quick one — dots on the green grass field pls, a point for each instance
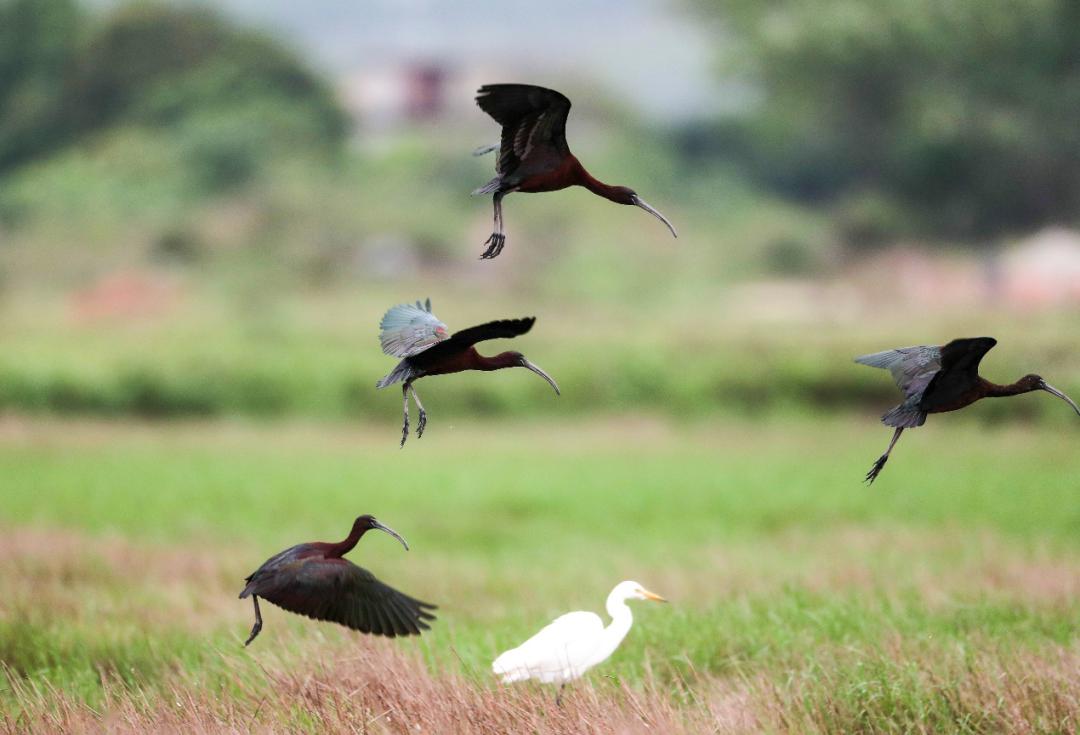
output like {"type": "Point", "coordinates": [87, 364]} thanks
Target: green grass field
{"type": "Point", "coordinates": [944, 598]}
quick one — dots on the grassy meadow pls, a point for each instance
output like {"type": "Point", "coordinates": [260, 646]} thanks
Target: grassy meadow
{"type": "Point", "coordinates": [944, 598]}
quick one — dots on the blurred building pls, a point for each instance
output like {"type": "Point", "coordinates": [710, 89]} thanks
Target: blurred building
{"type": "Point", "coordinates": [1042, 271]}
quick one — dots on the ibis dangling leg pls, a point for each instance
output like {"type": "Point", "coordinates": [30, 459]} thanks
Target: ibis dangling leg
{"type": "Point", "coordinates": [255, 629]}
{"type": "Point", "coordinates": [558, 695]}
{"type": "Point", "coordinates": [880, 463]}
{"type": "Point", "coordinates": [419, 407]}
{"type": "Point", "coordinates": [498, 239]}
{"type": "Point", "coordinates": [405, 410]}
{"type": "Point", "coordinates": [407, 388]}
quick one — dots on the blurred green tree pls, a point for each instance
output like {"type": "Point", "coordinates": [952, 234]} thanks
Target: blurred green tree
{"type": "Point", "coordinates": [229, 96]}
{"type": "Point", "coordinates": [958, 118]}
{"type": "Point", "coordinates": [37, 51]}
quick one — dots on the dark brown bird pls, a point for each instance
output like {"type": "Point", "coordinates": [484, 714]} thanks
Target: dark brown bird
{"type": "Point", "coordinates": [314, 580]}
{"type": "Point", "coordinates": [533, 154]}
{"type": "Point", "coordinates": [940, 379]}
{"type": "Point", "coordinates": [417, 336]}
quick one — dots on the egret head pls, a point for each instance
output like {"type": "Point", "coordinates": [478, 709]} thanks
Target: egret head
{"type": "Point", "coordinates": [1035, 382]}
{"type": "Point", "coordinates": [518, 360]}
{"type": "Point", "coordinates": [633, 591]}
{"type": "Point", "coordinates": [367, 522]}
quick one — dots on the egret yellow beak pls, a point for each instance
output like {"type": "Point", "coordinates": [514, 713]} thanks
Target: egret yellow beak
{"type": "Point", "coordinates": [652, 596]}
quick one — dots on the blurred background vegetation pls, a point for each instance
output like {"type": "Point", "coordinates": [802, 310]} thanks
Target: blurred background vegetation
{"type": "Point", "coordinates": [196, 219]}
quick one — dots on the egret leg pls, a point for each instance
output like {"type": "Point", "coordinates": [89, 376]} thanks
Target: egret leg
{"type": "Point", "coordinates": [258, 621]}
{"type": "Point", "coordinates": [498, 239]}
{"type": "Point", "coordinates": [405, 423]}
{"type": "Point", "coordinates": [423, 414]}
{"type": "Point", "coordinates": [880, 463]}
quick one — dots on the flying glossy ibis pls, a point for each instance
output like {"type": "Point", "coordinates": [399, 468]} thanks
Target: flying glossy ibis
{"type": "Point", "coordinates": [940, 379]}
{"type": "Point", "coordinates": [315, 580]}
{"type": "Point", "coordinates": [573, 643]}
{"type": "Point", "coordinates": [425, 347]}
{"type": "Point", "coordinates": [533, 154]}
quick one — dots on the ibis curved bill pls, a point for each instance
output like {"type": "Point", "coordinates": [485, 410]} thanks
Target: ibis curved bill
{"type": "Point", "coordinates": [573, 643]}
{"type": "Point", "coordinates": [654, 212]}
{"type": "Point", "coordinates": [536, 369]}
{"type": "Point", "coordinates": [1055, 392]}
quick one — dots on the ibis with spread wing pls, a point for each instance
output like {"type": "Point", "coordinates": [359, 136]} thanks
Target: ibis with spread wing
{"type": "Point", "coordinates": [937, 379]}
{"type": "Point", "coordinates": [315, 580]}
{"type": "Point", "coordinates": [426, 347]}
{"type": "Point", "coordinates": [533, 155]}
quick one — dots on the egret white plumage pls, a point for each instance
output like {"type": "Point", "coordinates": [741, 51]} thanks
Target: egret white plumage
{"type": "Point", "coordinates": [573, 643]}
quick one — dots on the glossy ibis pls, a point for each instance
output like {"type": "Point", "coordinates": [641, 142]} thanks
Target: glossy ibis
{"type": "Point", "coordinates": [939, 379]}
{"type": "Point", "coordinates": [314, 580]}
{"type": "Point", "coordinates": [533, 154]}
{"type": "Point", "coordinates": [573, 643]}
{"type": "Point", "coordinates": [416, 335]}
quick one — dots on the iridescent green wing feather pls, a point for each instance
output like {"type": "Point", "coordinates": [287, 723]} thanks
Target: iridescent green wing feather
{"type": "Point", "coordinates": [408, 329]}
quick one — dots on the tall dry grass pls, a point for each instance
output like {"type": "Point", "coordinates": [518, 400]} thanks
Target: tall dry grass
{"type": "Point", "coordinates": [380, 689]}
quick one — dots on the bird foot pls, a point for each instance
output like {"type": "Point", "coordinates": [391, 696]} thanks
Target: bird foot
{"type": "Point", "coordinates": [495, 245]}
{"type": "Point", "coordinates": [421, 424]}
{"type": "Point", "coordinates": [255, 630]}
{"type": "Point", "coordinates": [876, 469]}
{"type": "Point", "coordinates": [404, 432]}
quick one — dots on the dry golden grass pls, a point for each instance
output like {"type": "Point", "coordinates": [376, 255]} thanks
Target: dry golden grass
{"type": "Point", "coordinates": [71, 576]}
{"type": "Point", "coordinates": [379, 689]}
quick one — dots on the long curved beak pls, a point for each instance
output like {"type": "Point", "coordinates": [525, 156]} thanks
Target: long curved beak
{"type": "Point", "coordinates": [1054, 391]}
{"type": "Point", "coordinates": [392, 532]}
{"type": "Point", "coordinates": [655, 213]}
{"type": "Point", "coordinates": [526, 364]}
{"type": "Point", "coordinates": [652, 596]}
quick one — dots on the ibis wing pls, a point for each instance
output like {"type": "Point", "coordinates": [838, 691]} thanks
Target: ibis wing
{"type": "Point", "coordinates": [501, 329]}
{"type": "Point", "coordinates": [912, 367]}
{"type": "Point", "coordinates": [563, 648]}
{"type": "Point", "coordinates": [964, 355]}
{"type": "Point", "coordinates": [339, 591]}
{"type": "Point", "coordinates": [532, 119]}
{"type": "Point", "coordinates": [408, 329]}
{"type": "Point", "coordinates": [959, 372]}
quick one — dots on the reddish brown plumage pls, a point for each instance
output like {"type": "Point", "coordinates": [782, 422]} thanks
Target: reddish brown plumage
{"type": "Point", "coordinates": [471, 359]}
{"type": "Point", "coordinates": [981, 388]}
{"type": "Point", "coordinates": [554, 175]}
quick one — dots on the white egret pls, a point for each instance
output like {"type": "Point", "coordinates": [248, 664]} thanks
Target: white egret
{"type": "Point", "coordinates": [573, 643]}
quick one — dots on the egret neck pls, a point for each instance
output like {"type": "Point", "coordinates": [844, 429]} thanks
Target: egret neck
{"type": "Point", "coordinates": [621, 620]}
